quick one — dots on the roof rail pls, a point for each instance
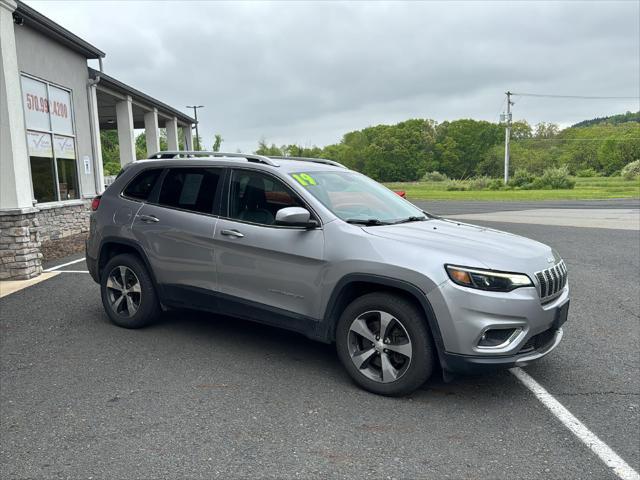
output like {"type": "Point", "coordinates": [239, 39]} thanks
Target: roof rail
{"type": "Point", "coordinates": [250, 157]}
{"type": "Point", "coordinates": [311, 159]}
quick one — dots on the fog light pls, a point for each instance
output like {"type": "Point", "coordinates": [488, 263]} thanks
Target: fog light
{"type": "Point", "coordinates": [498, 337]}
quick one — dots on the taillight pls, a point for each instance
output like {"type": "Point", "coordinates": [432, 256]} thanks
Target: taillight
{"type": "Point", "coordinates": [95, 203]}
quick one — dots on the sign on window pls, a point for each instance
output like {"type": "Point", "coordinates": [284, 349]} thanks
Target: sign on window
{"type": "Point", "coordinates": [39, 144]}
{"type": "Point", "coordinates": [60, 110]}
{"type": "Point", "coordinates": [50, 112]}
{"type": "Point", "coordinates": [36, 104]}
{"type": "Point", "coordinates": [64, 147]}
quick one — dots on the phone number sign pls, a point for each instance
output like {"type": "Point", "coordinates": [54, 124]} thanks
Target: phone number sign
{"type": "Point", "coordinates": [46, 109]}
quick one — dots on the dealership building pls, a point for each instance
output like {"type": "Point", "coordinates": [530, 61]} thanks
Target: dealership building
{"type": "Point", "coordinates": [52, 109]}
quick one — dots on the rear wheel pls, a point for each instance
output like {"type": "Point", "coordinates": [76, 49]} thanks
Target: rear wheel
{"type": "Point", "coordinates": [127, 292]}
{"type": "Point", "coordinates": [383, 342]}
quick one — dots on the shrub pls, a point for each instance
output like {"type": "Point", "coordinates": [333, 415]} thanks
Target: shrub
{"type": "Point", "coordinates": [586, 173]}
{"type": "Point", "coordinates": [111, 168]}
{"type": "Point", "coordinates": [495, 184]}
{"type": "Point", "coordinates": [522, 179]}
{"type": "Point", "coordinates": [554, 178]}
{"type": "Point", "coordinates": [434, 177]}
{"type": "Point", "coordinates": [631, 171]}
{"type": "Point", "coordinates": [479, 183]}
{"type": "Point", "coordinates": [457, 185]}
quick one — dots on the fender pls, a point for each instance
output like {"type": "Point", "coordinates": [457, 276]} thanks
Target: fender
{"type": "Point", "coordinates": [326, 328]}
{"type": "Point", "coordinates": [129, 243]}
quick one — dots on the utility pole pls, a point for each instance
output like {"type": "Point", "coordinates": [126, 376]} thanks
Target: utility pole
{"type": "Point", "coordinates": [507, 138]}
{"type": "Point", "coordinates": [195, 115]}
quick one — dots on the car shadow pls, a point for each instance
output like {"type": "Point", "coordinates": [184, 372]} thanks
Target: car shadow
{"type": "Point", "coordinates": [250, 341]}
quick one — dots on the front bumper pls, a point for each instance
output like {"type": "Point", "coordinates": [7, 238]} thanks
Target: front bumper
{"type": "Point", "coordinates": [464, 315]}
{"type": "Point", "coordinates": [470, 364]}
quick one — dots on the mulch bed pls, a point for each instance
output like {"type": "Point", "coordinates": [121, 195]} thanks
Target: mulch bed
{"type": "Point", "coordinates": [62, 247]}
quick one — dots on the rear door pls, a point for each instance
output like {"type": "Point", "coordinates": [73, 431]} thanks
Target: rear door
{"type": "Point", "coordinates": [176, 229]}
{"type": "Point", "coordinates": [262, 264]}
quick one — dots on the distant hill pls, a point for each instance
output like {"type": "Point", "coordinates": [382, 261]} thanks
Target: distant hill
{"type": "Point", "coordinates": [613, 119]}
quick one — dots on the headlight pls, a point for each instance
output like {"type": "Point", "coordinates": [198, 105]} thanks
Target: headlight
{"type": "Point", "coordinates": [487, 279]}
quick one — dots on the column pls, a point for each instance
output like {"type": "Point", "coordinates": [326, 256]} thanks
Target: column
{"type": "Point", "coordinates": [20, 256]}
{"type": "Point", "coordinates": [15, 177]}
{"type": "Point", "coordinates": [171, 127]}
{"type": "Point", "coordinates": [126, 140]}
{"type": "Point", "coordinates": [188, 138]}
{"type": "Point", "coordinates": [152, 132]}
{"type": "Point", "coordinates": [97, 143]}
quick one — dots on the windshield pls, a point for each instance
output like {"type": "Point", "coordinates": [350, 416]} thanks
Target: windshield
{"type": "Point", "coordinates": [356, 198]}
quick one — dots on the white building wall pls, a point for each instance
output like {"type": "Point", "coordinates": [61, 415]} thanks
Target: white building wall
{"type": "Point", "coordinates": [39, 56]}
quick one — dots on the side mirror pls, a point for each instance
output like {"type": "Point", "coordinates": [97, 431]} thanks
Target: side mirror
{"type": "Point", "coordinates": [295, 217]}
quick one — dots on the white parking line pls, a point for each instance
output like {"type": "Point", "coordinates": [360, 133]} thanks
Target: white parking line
{"type": "Point", "coordinates": [586, 436]}
{"type": "Point", "coordinates": [73, 271]}
{"type": "Point", "coordinates": [64, 265]}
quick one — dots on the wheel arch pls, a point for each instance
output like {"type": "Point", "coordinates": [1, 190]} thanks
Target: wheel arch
{"type": "Point", "coordinates": [112, 246]}
{"type": "Point", "coordinates": [354, 285]}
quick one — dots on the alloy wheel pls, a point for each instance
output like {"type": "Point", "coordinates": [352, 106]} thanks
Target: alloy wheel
{"type": "Point", "coordinates": [124, 292]}
{"type": "Point", "coordinates": [379, 346]}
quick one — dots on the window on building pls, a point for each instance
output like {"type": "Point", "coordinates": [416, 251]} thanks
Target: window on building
{"type": "Point", "coordinates": [51, 140]}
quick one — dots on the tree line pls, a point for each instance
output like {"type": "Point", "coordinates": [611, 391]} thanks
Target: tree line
{"type": "Point", "coordinates": [468, 148]}
{"type": "Point", "coordinates": [460, 149]}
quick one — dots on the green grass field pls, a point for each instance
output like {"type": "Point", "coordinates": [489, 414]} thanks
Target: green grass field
{"type": "Point", "coordinates": [586, 189]}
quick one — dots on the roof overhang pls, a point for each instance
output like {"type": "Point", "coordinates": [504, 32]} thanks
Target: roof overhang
{"type": "Point", "coordinates": [26, 15]}
{"type": "Point", "coordinates": [110, 91]}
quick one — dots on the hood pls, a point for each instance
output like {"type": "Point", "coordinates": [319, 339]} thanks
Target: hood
{"type": "Point", "coordinates": [456, 241]}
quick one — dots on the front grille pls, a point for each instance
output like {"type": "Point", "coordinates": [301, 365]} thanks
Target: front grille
{"type": "Point", "coordinates": [552, 280]}
{"type": "Point", "coordinates": [539, 341]}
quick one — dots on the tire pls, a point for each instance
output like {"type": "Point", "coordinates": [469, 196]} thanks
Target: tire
{"type": "Point", "coordinates": [392, 368]}
{"type": "Point", "coordinates": [141, 307]}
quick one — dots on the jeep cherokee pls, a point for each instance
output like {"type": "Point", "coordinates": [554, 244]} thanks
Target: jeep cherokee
{"type": "Point", "coordinates": [311, 246]}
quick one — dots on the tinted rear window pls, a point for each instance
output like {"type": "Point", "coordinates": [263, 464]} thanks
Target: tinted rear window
{"type": "Point", "coordinates": [191, 189]}
{"type": "Point", "coordinates": [141, 186]}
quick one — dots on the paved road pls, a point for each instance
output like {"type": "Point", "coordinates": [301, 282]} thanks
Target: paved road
{"type": "Point", "coordinates": [609, 218]}
{"type": "Point", "coordinates": [197, 396]}
{"type": "Point", "coordinates": [441, 207]}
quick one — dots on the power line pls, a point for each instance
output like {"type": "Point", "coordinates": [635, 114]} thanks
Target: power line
{"type": "Point", "coordinates": [582, 97]}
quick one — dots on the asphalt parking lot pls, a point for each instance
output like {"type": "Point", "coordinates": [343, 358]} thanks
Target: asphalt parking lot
{"type": "Point", "coordinates": [199, 396]}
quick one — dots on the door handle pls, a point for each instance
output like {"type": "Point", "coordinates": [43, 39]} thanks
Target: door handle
{"type": "Point", "coordinates": [149, 219]}
{"type": "Point", "coordinates": [232, 233]}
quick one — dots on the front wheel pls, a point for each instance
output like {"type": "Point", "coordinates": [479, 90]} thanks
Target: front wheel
{"type": "Point", "coordinates": [384, 343]}
{"type": "Point", "coordinates": [127, 292]}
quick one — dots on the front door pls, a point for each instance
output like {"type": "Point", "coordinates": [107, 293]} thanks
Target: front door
{"type": "Point", "coordinates": [259, 263]}
{"type": "Point", "coordinates": [176, 230]}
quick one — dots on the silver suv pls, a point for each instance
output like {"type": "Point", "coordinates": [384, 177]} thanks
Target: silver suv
{"type": "Point", "coordinates": [311, 246]}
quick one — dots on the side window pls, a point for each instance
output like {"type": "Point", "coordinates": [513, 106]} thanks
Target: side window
{"type": "Point", "coordinates": [191, 189]}
{"type": "Point", "coordinates": [141, 186]}
{"type": "Point", "coordinates": [256, 197]}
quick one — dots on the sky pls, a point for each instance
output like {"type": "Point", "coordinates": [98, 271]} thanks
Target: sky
{"type": "Point", "coordinates": [309, 72]}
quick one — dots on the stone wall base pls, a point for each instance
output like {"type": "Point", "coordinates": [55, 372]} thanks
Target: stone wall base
{"type": "Point", "coordinates": [20, 256]}
{"type": "Point", "coordinates": [63, 247]}
{"type": "Point", "coordinates": [59, 220]}
{"type": "Point", "coordinates": [23, 233]}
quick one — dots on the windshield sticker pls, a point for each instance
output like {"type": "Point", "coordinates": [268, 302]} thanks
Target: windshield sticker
{"type": "Point", "coordinates": [304, 179]}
